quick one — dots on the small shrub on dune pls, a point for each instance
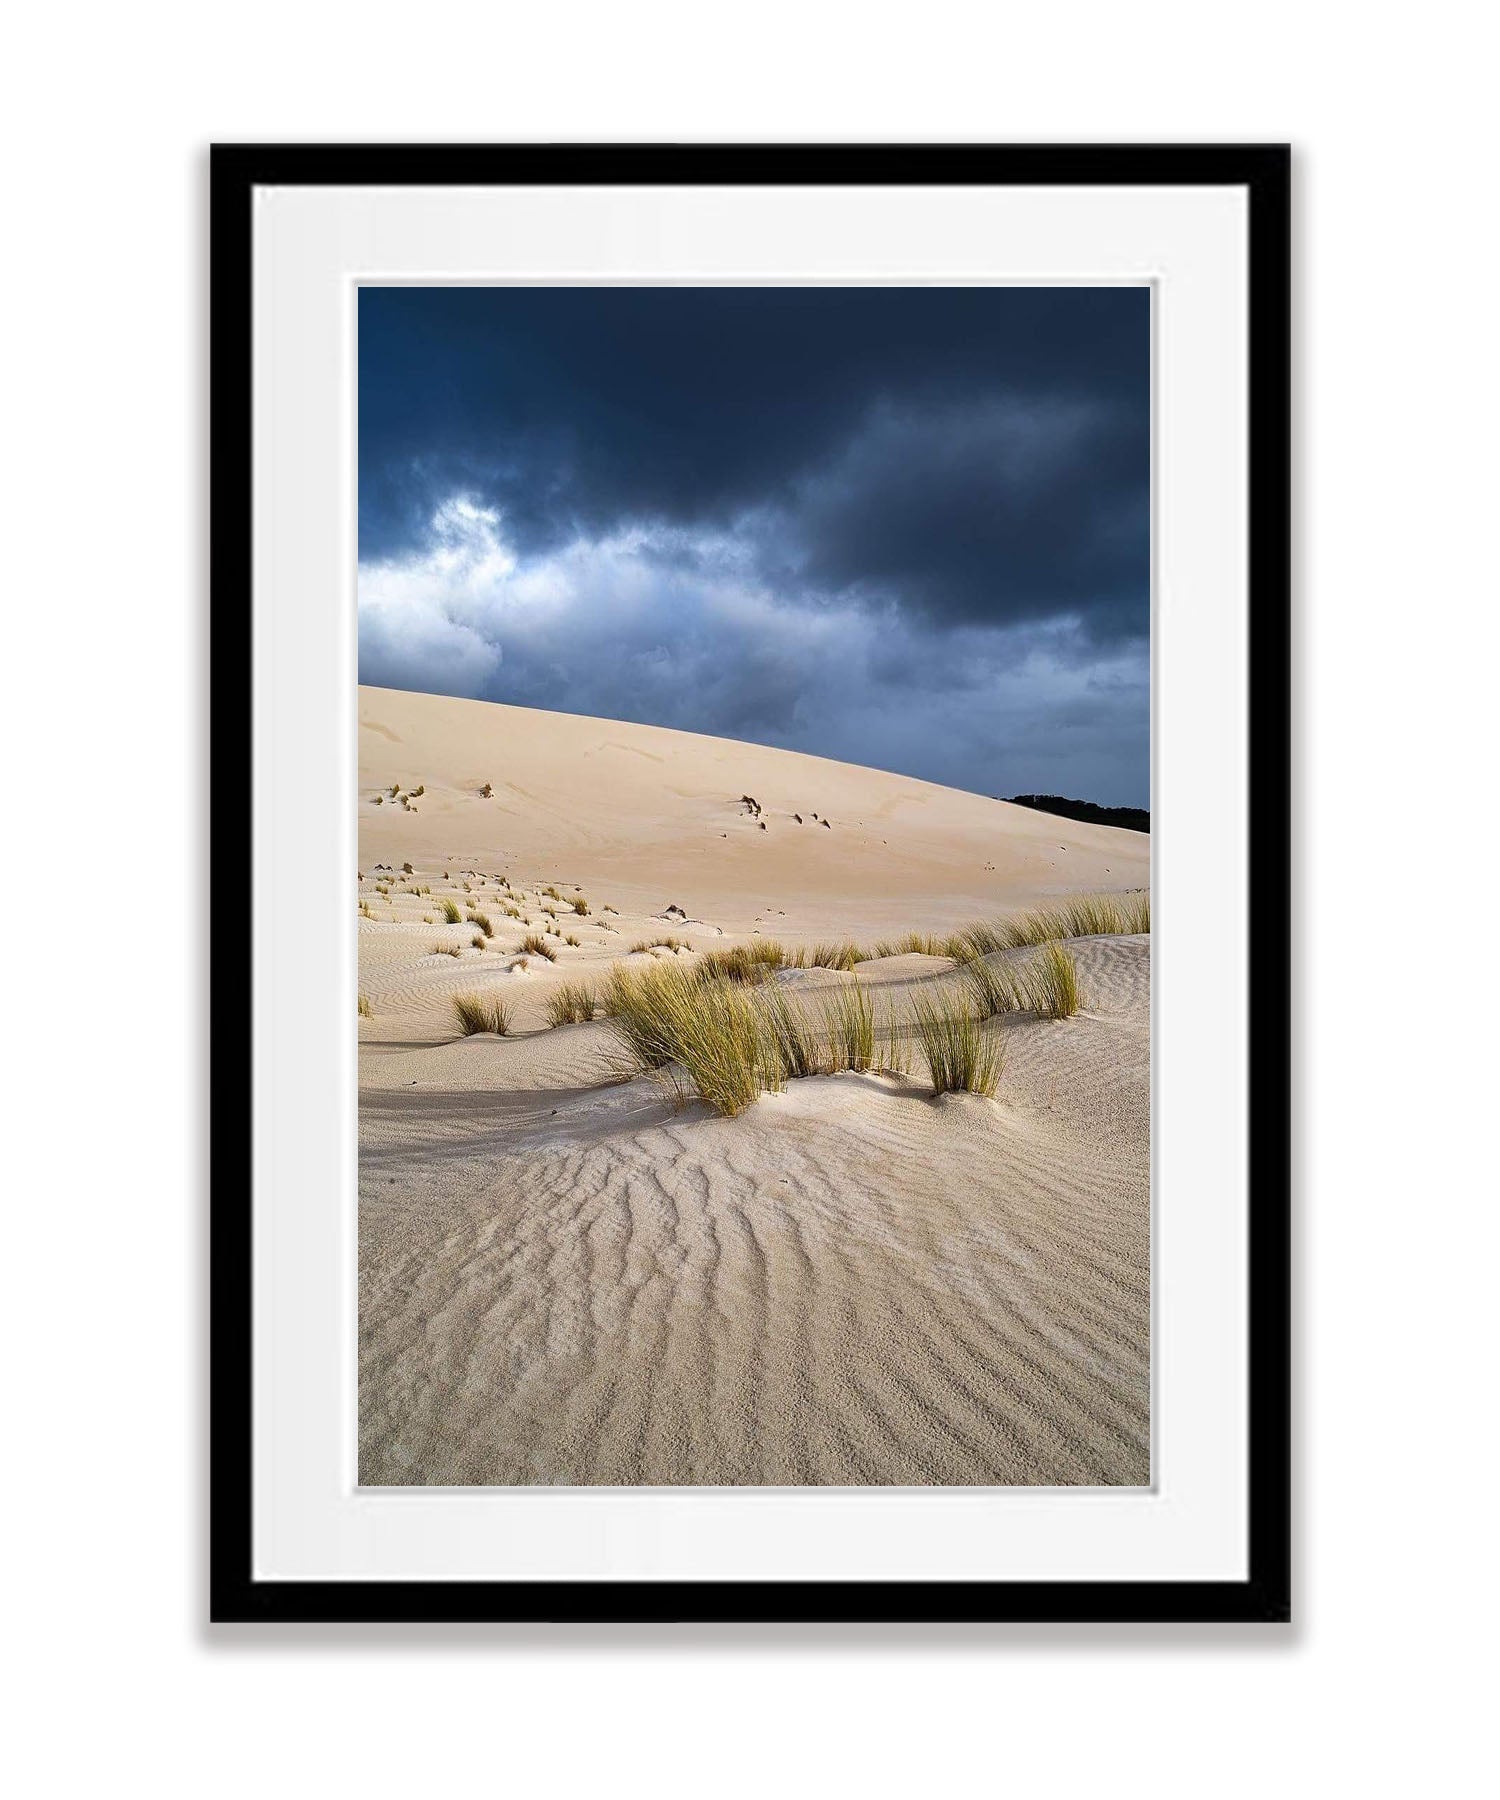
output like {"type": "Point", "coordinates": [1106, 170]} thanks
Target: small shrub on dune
{"type": "Point", "coordinates": [574, 1003]}
{"type": "Point", "coordinates": [570, 939]}
{"type": "Point", "coordinates": [645, 945]}
{"type": "Point", "coordinates": [533, 945]}
{"type": "Point", "coordinates": [447, 950]}
{"type": "Point", "coordinates": [364, 910]}
{"type": "Point", "coordinates": [961, 1057]}
{"type": "Point", "coordinates": [478, 1013]}
{"type": "Point", "coordinates": [452, 914]}
{"type": "Point", "coordinates": [366, 1011]}
{"type": "Point", "coordinates": [479, 940]}
{"type": "Point", "coordinates": [482, 920]}
{"type": "Point", "coordinates": [407, 869]}
{"type": "Point", "coordinates": [580, 906]}
{"type": "Point", "coordinates": [379, 800]}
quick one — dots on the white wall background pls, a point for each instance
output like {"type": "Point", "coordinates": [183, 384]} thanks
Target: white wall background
{"type": "Point", "coordinates": [1379, 1687]}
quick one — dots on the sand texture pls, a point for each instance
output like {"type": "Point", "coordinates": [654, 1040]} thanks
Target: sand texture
{"type": "Point", "coordinates": [568, 1278]}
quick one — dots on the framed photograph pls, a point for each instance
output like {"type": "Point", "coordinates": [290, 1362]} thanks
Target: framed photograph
{"type": "Point", "coordinates": [753, 685]}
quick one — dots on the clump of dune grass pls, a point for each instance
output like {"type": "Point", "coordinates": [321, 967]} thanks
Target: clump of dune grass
{"type": "Point", "coordinates": [790, 1037]}
{"type": "Point", "coordinates": [486, 791]}
{"type": "Point", "coordinates": [482, 920]}
{"type": "Point", "coordinates": [580, 906]}
{"type": "Point", "coordinates": [613, 909]}
{"type": "Point", "coordinates": [395, 788]}
{"type": "Point", "coordinates": [366, 1011]}
{"type": "Point", "coordinates": [574, 1003]}
{"type": "Point", "coordinates": [446, 949]}
{"type": "Point", "coordinates": [407, 869]}
{"type": "Point", "coordinates": [993, 988]}
{"type": "Point", "coordinates": [570, 939]}
{"type": "Point", "coordinates": [1081, 915]}
{"type": "Point", "coordinates": [538, 946]}
{"type": "Point", "coordinates": [364, 910]}
{"type": "Point", "coordinates": [1051, 983]}
{"type": "Point", "coordinates": [511, 912]}
{"type": "Point", "coordinates": [848, 1018]}
{"type": "Point", "coordinates": [747, 964]}
{"type": "Point", "coordinates": [914, 943]}
{"type": "Point", "coordinates": [843, 1036]}
{"type": "Point", "coordinates": [837, 956]}
{"type": "Point", "coordinates": [380, 800]}
{"type": "Point", "coordinates": [479, 941]}
{"type": "Point", "coordinates": [711, 1036]}
{"type": "Point", "coordinates": [961, 1056]}
{"type": "Point", "coordinates": [417, 792]}
{"type": "Point", "coordinates": [477, 1013]}
{"type": "Point", "coordinates": [452, 914]}
{"type": "Point", "coordinates": [659, 943]}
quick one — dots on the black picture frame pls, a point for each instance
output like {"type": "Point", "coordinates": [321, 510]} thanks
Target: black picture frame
{"type": "Point", "coordinates": [1263, 172]}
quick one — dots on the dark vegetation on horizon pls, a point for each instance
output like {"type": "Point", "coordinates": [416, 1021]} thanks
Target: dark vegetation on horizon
{"type": "Point", "coordinates": [1130, 818]}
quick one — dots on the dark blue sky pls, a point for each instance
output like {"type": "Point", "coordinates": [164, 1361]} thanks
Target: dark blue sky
{"type": "Point", "coordinates": [904, 527]}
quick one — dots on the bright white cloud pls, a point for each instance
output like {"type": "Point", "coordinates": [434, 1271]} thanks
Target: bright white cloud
{"type": "Point", "coordinates": [674, 627]}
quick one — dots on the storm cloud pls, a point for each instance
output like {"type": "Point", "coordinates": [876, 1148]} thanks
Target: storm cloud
{"type": "Point", "coordinates": [904, 527]}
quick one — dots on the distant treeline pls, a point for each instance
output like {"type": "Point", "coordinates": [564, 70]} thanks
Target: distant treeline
{"type": "Point", "coordinates": [1132, 818]}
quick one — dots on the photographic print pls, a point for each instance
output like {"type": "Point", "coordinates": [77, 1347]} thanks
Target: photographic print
{"type": "Point", "coordinates": [754, 886]}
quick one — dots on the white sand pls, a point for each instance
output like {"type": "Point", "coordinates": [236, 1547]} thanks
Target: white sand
{"type": "Point", "coordinates": [565, 1280]}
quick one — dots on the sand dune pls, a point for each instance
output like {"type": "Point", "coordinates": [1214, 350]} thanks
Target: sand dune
{"type": "Point", "coordinates": [567, 1279]}
{"type": "Point", "coordinates": [658, 816]}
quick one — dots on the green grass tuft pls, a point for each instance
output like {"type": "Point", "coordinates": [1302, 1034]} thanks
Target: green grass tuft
{"type": "Point", "coordinates": [574, 1003]}
{"type": "Point", "coordinates": [537, 946]}
{"type": "Point", "coordinates": [849, 1021]}
{"type": "Point", "coordinates": [961, 1056]}
{"type": "Point", "coordinates": [478, 1013]}
{"type": "Point", "coordinates": [747, 964]}
{"type": "Point", "coordinates": [452, 914]}
{"type": "Point", "coordinates": [1051, 983]}
{"type": "Point", "coordinates": [366, 1011]}
{"type": "Point", "coordinates": [836, 956]}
